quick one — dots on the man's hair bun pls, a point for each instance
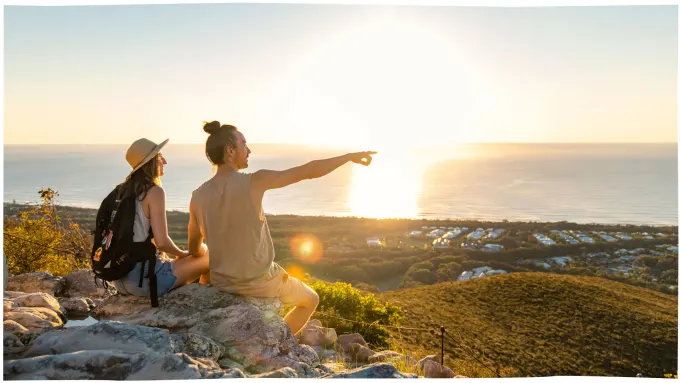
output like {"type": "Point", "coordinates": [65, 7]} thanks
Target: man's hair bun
{"type": "Point", "coordinates": [211, 127]}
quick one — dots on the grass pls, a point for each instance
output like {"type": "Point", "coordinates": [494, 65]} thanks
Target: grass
{"type": "Point", "coordinates": [537, 324]}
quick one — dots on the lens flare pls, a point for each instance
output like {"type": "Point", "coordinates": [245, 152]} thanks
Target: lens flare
{"type": "Point", "coordinates": [306, 248]}
{"type": "Point", "coordinates": [296, 272]}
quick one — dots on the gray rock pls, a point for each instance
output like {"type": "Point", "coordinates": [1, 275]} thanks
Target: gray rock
{"type": "Point", "coordinates": [13, 327]}
{"type": "Point", "coordinates": [11, 345]}
{"type": "Point", "coordinates": [250, 333]}
{"type": "Point", "coordinates": [229, 364]}
{"type": "Point", "coordinates": [432, 369]}
{"type": "Point", "coordinates": [80, 283]}
{"type": "Point", "coordinates": [434, 358]}
{"type": "Point", "coordinates": [33, 321]}
{"type": "Point", "coordinates": [124, 337]}
{"type": "Point", "coordinates": [345, 340]}
{"type": "Point", "coordinates": [40, 282]}
{"type": "Point", "coordinates": [359, 353]}
{"type": "Point", "coordinates": [380, 371]}
{"type": "Point", "coordinates": [37, 300]}
{"type": "Point", "coordinates": [7, 304]}
{"type": "Point", "coordinates": [285, 372]}
{"type": "Point", "coordinates": [75, 306]}
{"type": "Point", "coordinates": [56, 317]}
{"type": "Point", "coordinates": [11, 340]}
{"type": "Point", "coordinates": [326, 354]}
{"type": "Point", "coordinates": [111, 365]}
{"type": "Point", "coordinates": [317, 336]}
{"type": "Point", "coordinates": [305, 354]}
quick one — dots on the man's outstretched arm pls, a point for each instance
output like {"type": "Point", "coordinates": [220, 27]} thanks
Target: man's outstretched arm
{"type": "Point", "coordinates": [263, 180]}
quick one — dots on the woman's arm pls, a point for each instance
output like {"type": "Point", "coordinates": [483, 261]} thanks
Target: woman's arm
{"type": "Point", "coordinates": [159, 222]}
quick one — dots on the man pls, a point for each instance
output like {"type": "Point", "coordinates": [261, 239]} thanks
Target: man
{"type": "Point", "coordinates": [226, 211]}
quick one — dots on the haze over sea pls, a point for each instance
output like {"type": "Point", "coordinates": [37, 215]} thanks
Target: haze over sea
{"type": "Point", "coordinates": [584, 183]}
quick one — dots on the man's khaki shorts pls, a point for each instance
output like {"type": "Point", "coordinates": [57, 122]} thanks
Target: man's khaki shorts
{"type": "Point", "coordinates": [294, 292]}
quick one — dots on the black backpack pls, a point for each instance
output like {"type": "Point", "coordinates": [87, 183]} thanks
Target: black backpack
{"type": "Point", "coordinates": [114, 253]}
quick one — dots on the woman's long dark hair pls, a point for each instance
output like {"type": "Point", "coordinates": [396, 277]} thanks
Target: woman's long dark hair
{"type": "Point", "coordinates": [144, 178]}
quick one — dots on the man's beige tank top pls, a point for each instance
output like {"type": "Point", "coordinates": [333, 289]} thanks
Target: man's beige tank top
{"type": "Point", "coordinates": [237, 235]}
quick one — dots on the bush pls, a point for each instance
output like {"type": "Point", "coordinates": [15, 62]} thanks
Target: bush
{"type": "Point", "coordinates": [340, 299]}
{"type": "Point", "coordinates": [38, 240]}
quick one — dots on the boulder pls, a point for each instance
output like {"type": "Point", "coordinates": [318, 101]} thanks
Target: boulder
{"type": "Point", "coordinates": [7, 304]}
{"type": "Point", "coordinates": [285, 372]}
{"type": "Point", "coordinates": [12, 345]}
{"type": "Point", "coordinates": [325, 354]}
{"type": "Point", "coordinates": [13, 327]}
{"type": "Point", "coordinates": [37, 300]}
{"type": "Point", "coordinates": [34, 322]}
{"type": "Point", "coordinates": [124, 337]}
{"type": "Point", "coordinates": [315, 335]}
{"type": "Point", "coordinates": [345, 340]}
{"type": "Point", "coordinates": [359, 353]}
{"type": "Point", "coordinates": [250, 329]}
{"type": "Point", "coordinates": [75, 306]}
{"type": "Point", "coordinates": [80, 283]}
{"type": "Point", "coordinates": [379, 371]}
{"type": "Point", "coordinates": [432, 369]}
{"type": "Point", "coordinates": [434, 358]}
{"type": "Point", "coordinates": [113, 365]}
{"type": "Point", "coordinates": [40, 282]}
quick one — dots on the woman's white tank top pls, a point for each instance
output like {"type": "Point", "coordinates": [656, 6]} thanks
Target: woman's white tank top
{"type": "Point", "coordinates": [142, 224]}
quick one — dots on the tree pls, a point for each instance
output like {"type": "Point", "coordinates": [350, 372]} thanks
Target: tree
{"type": "Point", "coordinates": [448, 272]}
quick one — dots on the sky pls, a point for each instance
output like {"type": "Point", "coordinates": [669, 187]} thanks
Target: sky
{"type": "Point", "coordinates": [375, 76]}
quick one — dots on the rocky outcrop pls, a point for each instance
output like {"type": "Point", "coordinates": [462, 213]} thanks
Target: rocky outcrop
{"type": "Point", "coordinates": [114, 365]}
{"type": "Point", "coordinates": [196, 332]}
{"type": "Point", "coordinates": [123, 337]}
{"type": "Point", "coordinates": [252, 333]}
{"type": "Point", "coordinates": [40, 282]}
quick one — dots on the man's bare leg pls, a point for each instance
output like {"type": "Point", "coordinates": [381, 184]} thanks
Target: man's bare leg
{"type": "Point", "coordinates": [299, 315]}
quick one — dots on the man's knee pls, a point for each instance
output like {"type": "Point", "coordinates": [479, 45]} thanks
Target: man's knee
{"type": "Point", "coordinates": [314, 300]}
{"type": "Point", "coordinates": [311, 299]}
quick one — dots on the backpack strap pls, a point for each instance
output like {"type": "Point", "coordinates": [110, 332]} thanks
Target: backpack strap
{"type": "Point", "coordinates": [153, 281]}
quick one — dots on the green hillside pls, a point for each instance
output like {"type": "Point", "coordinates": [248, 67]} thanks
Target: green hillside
{"type": "Point", "coordinates": [539, 324]}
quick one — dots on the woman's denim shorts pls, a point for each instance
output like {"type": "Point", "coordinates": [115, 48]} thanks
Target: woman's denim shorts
{"type": "Point", "coordinates": [129, 285]}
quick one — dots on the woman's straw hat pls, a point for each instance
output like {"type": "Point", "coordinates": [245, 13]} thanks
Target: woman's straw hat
{"type": "Point", "coordinates": [142, 151]}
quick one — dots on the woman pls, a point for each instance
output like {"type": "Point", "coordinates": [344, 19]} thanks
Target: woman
{"type": "Point", "coordinates": [147, 169]}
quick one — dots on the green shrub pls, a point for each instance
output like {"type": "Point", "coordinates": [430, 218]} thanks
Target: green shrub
{"type": "Point", "coordinates": [38, 239]}
{"type": "Point", "coordinates": [342, 300]}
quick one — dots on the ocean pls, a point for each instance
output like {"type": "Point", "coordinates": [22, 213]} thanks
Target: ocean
{"type": "Point", "coordinates": [583, 183]}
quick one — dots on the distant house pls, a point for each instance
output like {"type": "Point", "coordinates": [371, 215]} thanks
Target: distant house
{"type": "Point", "coordinates": [435, 233]}
{"type": "Point", "coordinates": [374, 242]}
{"type": "Point", "coordinates": [492, 247]}
{"type": "Point", "coordinates": [606, 237]}
{"type": "Point", "coordinates": [441, 243]}
{"type": "Point", "coordinates": [477, 234]}
{"type": "Point", "coordinates": [496, 233]}
{"type": "Point", "coordinates": [543, 239]}
{"type": "Point", "coordinates": [415, 233]}
{"type": "Point", "coordinates": [624, 236]}
{"type": "Point", "coordinates": [480, 272]}
{"type": "Point", "coordinates": [561, 261]}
